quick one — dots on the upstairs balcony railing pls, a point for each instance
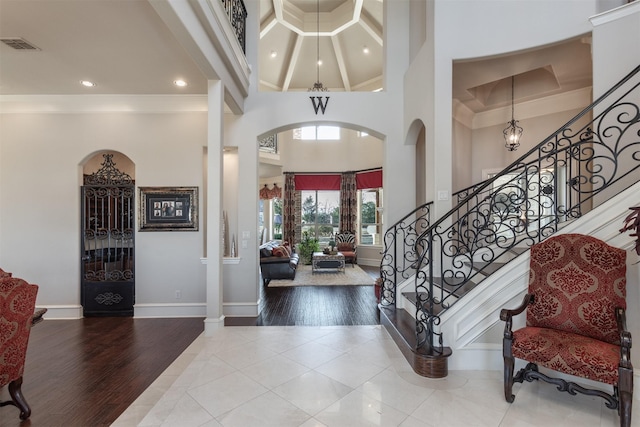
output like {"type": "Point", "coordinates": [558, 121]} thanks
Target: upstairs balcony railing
{"type": "Point", "coordinates": [584, 163]}
{"type": "Point", "coordinates": [237, 14]}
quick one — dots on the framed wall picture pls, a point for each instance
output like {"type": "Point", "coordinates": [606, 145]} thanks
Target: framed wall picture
{"type": "Point", "coordinates": [168, 209]}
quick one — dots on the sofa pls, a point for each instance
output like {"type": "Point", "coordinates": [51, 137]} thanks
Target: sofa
{"type": "Point", "coordinates": [277, 261]}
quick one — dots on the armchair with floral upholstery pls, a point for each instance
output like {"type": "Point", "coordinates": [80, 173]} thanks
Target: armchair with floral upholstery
{"type": "Point", "coordinates": [17, 306]}
{"type": "Point", "coordinates": [346, 243]}
{"type": "Point", "coordinates": [575, 321]}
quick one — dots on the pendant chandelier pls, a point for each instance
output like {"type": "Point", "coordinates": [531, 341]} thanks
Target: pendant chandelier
{"type": "Point", "coordinates": [512, 132]}
{"type": "Point", "coordinates": [317, 86]}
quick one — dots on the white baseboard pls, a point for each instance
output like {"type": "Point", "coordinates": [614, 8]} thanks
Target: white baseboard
{"type": "Point", "coordinates": [240, 309]}
{"type": "Point", "coordinates": [65, 312]}
{"type": "Point", "coordinates": [169, 310]}
{"type": "Point", "coordinates": [371, 262]}
{"type": "Point", "coordinates": [62, 312]}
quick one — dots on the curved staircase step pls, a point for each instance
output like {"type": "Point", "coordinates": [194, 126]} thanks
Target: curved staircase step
{"type": "Point", "coordinates": [402, 328]}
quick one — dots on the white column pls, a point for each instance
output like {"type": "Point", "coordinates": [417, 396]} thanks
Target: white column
{"type": "Point", "coordinates": [215, 145]}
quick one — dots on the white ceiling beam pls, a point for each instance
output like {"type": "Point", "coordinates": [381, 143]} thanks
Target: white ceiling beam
{"type": "Point", "coordinates": [341, 64]}
{"type": "Point", "coordinates": [278, 7]}
{"type": "Point", "coordinates": [267, 24]}
{"type": "Point", "coordinates": [370, 85]}
{"type": "Point", "coordinates": [371, 28]}
{"type": "Point", "coordinates": [295, 54]}
{"type": "Point", "coordinates": [270, 85]}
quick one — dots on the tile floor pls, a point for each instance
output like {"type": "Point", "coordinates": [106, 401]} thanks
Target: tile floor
{"type": "Point", "coordinates": [338, 376]}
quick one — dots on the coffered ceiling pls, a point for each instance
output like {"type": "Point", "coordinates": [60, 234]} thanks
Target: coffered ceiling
{"type": "Point", "coordinates": [346, 35]}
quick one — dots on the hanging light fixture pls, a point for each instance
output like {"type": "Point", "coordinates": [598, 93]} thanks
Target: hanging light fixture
{"type": "Point", "coordinates": [317, 86]}
{"type": "Point", "coordinates": [513, 132]}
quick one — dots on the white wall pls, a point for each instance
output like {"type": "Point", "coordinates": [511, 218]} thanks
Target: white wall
{"type": "Point", "coordinates": [268, 112]}
{"type": "Point", "coordinates": [487, 31]}
{"type": "Point", "coordinates": [350, 153]}
{"type": "Point", "coordinates": [619, 28]}
{"type": "Point", "coordinates": [39, 227]}
{"type": "Point", "coordinates": [488, 143]}
{"type": "Point", "coordinates": [40, 179]}
{"type": "Point", "coordinates": [464, 157]}
{"type": "Point", "coordinates": [428, 99]}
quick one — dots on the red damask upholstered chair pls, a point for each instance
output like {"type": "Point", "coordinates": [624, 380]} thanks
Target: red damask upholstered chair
{"type": "Point", "coordinates": [575, 309]}
{"type": "Point", "coordinates": [17, 305]}
{"type": "Point", "coordinates": [4, 274]}
{"type": "Point", "coordinates": [346, 244]}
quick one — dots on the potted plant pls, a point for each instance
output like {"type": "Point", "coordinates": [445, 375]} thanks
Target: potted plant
{"type": "Point", "coordinates": [632, 223]}
{"type": "Point", "coordinates": [332, 245]}
{"type": "Point", "coordinates": [308, 246]}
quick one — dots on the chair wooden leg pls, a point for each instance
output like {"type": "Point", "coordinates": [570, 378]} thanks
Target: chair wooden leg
{"type": "Point", "coordinates": [509, 362]}
{"type": "Point", "coordinates": [15, 391]}
{"type": "Point", "coordinates": [625, 395]}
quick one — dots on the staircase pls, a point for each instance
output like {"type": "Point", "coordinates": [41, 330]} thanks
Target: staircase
{"type": "Point", "coordinates": [444, 280]}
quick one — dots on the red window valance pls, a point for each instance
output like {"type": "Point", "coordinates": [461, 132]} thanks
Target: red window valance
{"type": "Point", "coordinates": [369, 179]}
{"type": "Point", "coordinates": [317, 182]}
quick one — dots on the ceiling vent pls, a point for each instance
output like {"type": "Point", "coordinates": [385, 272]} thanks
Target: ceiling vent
{"type": "Point", "coordinates": [19, 43]}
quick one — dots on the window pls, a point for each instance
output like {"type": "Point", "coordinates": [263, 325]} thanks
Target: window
{"type": "Point", "coordinates": [260, 215]}
{"type": "Point", "coordinates": [277, 218]}
{"type": "Point", "coordinates": [317, 133]}
{"type": "Point", "coordinates": [320, 214]}
{"type": "Point", "coordinates": [370, 216]}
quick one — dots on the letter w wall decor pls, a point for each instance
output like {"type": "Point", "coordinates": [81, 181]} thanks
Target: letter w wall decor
{"type": "Point", "coordinates": [319, 104]}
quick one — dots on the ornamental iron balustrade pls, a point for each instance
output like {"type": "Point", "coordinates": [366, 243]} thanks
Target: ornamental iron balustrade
{"type": "Point", "coordinates": [237, 14]}
{"type": "Point", "coordinates": [269, 144]}
{"type": "Point", "coordinates": [399, 256]}
{"type": "Point", "coordinates": [584, 163]}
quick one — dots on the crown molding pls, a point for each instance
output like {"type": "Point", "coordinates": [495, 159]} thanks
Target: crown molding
{"type": "Point", "coordinates": [12, 104]}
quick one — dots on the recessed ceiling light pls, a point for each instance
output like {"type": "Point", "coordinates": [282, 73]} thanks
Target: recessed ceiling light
{"type": "Point", "coordinates": [87, 83]}
{"type": "Point", "coordinates": [180, 83]}
{"type": "Point", "coordinates": [365, 50]}
{"type": "Point", "coordinates": [274, 53]}
{"type": "Point", "coordinates": [319, 61]}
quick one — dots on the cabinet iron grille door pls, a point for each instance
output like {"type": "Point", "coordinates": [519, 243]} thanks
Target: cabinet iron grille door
{"type": "Point", "coordinates": [107, 260]}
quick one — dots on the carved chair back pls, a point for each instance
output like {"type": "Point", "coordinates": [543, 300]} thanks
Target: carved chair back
{"type": "Point", "coordinates": [345, 239]}
{"type": "Point", "coordinates": [577, 282]}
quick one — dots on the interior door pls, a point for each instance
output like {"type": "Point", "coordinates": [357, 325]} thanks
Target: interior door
{"type": "Point", "coordinates": [108, 249]}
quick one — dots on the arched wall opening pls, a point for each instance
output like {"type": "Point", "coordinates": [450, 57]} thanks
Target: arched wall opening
{"type": "Point", "coordinates": [353, 148]}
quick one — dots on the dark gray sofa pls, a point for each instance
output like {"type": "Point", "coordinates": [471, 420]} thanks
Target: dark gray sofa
{"type": "Point", "coordinates": [276, 267]}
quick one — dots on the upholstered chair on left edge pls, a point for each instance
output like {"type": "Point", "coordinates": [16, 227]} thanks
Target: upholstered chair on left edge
{"type": "Point", "coordinates": [17, 306]}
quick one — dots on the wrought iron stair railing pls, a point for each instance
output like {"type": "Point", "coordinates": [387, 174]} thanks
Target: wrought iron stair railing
{"type": "Point", "coordinates": [585, 162]}
{"type": "Point", "coordinates": [399, 257]}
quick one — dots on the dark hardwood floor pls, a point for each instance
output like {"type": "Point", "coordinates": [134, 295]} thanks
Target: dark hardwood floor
{"type": "Point", "coordinates": [86, 372]}
{"type": "Point", "coordinates": [319, 306]}
{"type": "Point", "coordinates": [316, 305]}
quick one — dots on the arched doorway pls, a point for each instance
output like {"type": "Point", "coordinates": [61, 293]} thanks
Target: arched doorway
{"type": "Point", "coordinates": [290, 150]}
